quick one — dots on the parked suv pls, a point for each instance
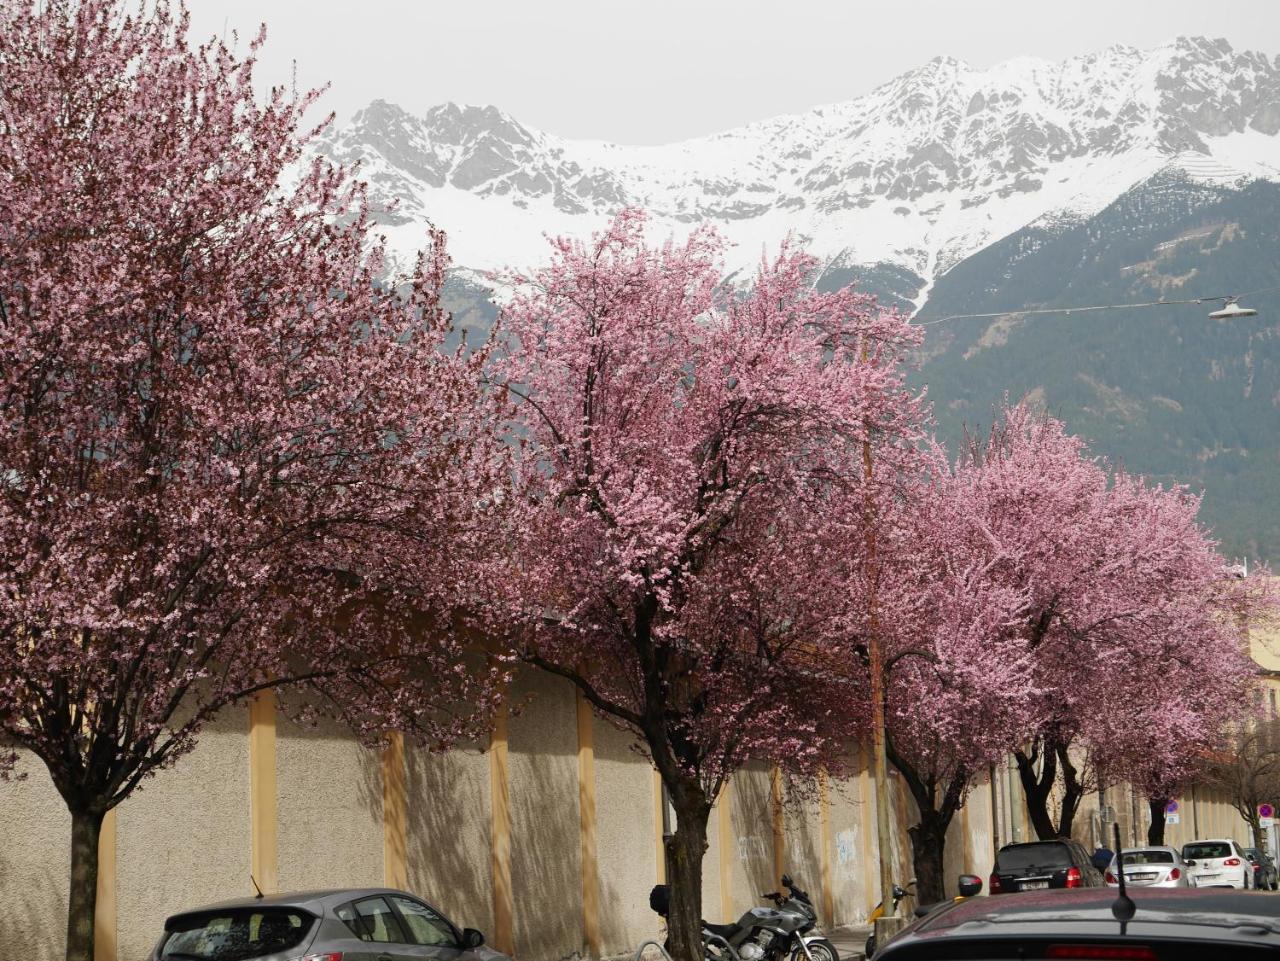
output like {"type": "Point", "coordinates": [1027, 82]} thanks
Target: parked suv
{"type": "Point", "coordinates": [1264, 869]}
{"type": "Point", "coordinates": [1034, 865]}
{"type": "Point", "coordinates": [366, 924]}
{"type": "Point", "coordinates": [1218, 862]}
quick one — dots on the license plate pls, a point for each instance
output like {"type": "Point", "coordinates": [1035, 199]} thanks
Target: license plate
{"type": "Point", "coordinates": [1033, 885]}
{"type": "Point", "coordinates": [1142, 877]}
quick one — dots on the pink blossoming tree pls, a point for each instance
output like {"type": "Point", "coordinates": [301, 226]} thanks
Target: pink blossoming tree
{"type": "Point", "coordinates": [959, 685]}
{"type": "Point", "coordinates": [679, 505]}
{"type": "Point", "coordinates": [1122, 585]}
{"type": "Point", "coordinates": [222, 444]}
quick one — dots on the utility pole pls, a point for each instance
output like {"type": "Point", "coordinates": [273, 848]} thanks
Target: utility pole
{"type": "Point", "coordinates": [875, 658]}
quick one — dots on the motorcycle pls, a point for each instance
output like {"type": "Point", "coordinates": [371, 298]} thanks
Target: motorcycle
{"type": "Point", "coordinates": [970, 886]}
{"type": "Point", "coordinates": [780, 933]}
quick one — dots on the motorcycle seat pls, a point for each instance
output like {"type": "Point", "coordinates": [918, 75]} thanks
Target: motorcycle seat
{"type": "Point", "coordinates": [726, 931]}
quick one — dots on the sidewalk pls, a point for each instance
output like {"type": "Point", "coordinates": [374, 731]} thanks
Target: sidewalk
{"type": "Point", "coordinates": [849, 941]}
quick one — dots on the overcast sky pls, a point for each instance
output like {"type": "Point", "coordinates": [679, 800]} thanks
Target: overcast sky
{"type": "Point", "coordinates": [654, 71]}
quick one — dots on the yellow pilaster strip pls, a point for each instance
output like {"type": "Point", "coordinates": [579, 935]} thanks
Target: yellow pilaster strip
{"type": "Point", "coordinates": [104, 921]}
{"type": "Point", "coordinates": [966, 839]}
{"type": "Point", "coordinates": [870, 870]}
{"type": "Point", "coordinates": [263, 859]}
{"type": "Point", "coordinates": [724, 825]}
{"type": "Point", "coordinates": [500, 835]}
{"type": "Point", "coordinates": [657, 827]}
{"type": "Point", "coordinates": [779, 827]}
{"type": "Point", "coordinates": [587, 817]}
{"type": "Point", "coordinates": [395, 804]}
{"type": "Point", "coordinates": [828, 845]}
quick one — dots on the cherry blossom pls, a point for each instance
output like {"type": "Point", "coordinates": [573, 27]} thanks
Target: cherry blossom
{"type": "Point", "coordinates": [225, 442]}
{"type": "Point", "coordinates": [688, 452]}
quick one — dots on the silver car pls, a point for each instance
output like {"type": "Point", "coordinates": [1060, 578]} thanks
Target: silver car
{"type": "Point", "coordinates": [1150, 867]}
{"type": "Point", "coordinates": [356, 924]}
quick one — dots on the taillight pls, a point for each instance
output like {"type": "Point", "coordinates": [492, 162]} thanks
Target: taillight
{"type": "Point", "coordinates": [331, 956]}
{"type": "Point", "coordinates": [1231, 862]}
{"type": "Point", "coordinates": [993, 886]}
{"type": "Point", "coordinates": [1073, 877]}
{"type": "Point", "coordinates": [1120, 952]}
{"type": "Point", "coordinates": [1111, 878]}
{"type": "Point", "coordinates": [1175, 874]}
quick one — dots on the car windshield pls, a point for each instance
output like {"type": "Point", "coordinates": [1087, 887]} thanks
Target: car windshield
{"type": "Point", "coordinates": [1147, 857]}
{"type": "Point", "coordinates": [1026, 856]}
{"type": "Point", "coordinates": [1206, 849]}
{"type": "Point", "coordinates": [235, 934]}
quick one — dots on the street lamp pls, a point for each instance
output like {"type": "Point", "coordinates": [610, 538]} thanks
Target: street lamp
{"type": "Point", "coordinates": [1232, 310]}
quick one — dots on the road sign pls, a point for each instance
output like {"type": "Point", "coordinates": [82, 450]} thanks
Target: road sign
{"type": "Point", "coordinates": [1172, 818]}
{"type": "Point", "coordinates": [1171, 808]}
{"type": "Point", "coordinates": [1266, 811]}
{"type": "Point", "coordinates": [1265, 822]}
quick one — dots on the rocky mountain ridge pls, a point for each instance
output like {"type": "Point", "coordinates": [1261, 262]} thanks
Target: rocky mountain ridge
{"type": "Point", "coordinates": [919, 173]}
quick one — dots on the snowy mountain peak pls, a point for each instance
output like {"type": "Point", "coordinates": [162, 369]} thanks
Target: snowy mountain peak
{"type": "Point", "coordinates": [920, 172]}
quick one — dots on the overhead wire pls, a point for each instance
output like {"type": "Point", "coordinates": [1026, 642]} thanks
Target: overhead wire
{"type": "Point", "coordinates": [1091, 307]}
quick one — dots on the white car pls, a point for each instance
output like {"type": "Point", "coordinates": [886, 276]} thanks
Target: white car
{"type": "Point", "coordinates": [1151, 867]}
{"type": "Point", "coordinates": [1218, 863]}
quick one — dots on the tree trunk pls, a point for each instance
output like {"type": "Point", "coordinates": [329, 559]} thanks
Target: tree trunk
{"type": "Point", "coordinates": [1155, 830]}
{"type": "Point", "coordinates": [1036, 789]}
{"type": "Point", "coordinates": [684, 873]}
{"type": "Point", "coordinates": [1255, 829]}
{"type": "Point", "coordinates": [86, 826]}
{"type": "Point", "coordinates": [928, 853]}
{"type": "Point", "coordinates": [929, 836]}
{"type": "Point", "coordinates": [1072, 792]}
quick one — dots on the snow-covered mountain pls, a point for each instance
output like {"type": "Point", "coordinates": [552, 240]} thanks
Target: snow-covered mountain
{"type": "Point", "coordinates": [918, 174]}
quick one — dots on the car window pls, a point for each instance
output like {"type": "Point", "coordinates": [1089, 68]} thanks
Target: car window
{"type": "Point", "coordinates": [1024, 857]}
{"type": "Point", "coordinates": [237, 934]}
{"type": "Point", "coordinates": [376, 922]}
{"type": "Point", "coordinates": [425, 926]}
{"type": "Point", "coordinates": [1206, 849]}
{"type": "Point", "coordinates": [1148, 857]}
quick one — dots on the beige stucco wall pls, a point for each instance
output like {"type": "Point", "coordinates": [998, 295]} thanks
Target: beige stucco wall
{"type": "Point", "coordinates": [626, 848]}
{"type": "Point", "coordinates": [546, 872]}
{"type": "Point", "coordinates": [802, 838]}
{"type": "Point", "coordinates": [850, 890]}
{"type": "Point", "coordinates": [752, 857]}
{"type": "Point", "coordinates": [35, 866]}
{"type": "Point", "coordinates": [329, 815]}
{"type": "Point", "coordinates": [447, 846]}
{"type": "Point", "coordinates": [183, 840]}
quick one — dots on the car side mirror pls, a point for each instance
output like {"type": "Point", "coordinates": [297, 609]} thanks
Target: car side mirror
{"type": "Point", "coordinates": [970, 885]}
{"type": "Point", "coordinates": [471, 938]}
{"type": "Point", "coordinates": [786, 881]}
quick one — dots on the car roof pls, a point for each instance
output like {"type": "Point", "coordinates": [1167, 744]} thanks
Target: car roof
{"type": "Point", "coordinates": [313, 901]}
{"type": "Point", "coordinates": [1212, 841]}
{"type": "Point", "coordinates": [1029, 844]}
{"type": "Point", "coordinates": [1150, 847]}
{"type": "Point", "coordinates": [1162, 914]}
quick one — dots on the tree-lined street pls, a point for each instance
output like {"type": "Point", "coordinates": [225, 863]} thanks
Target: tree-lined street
{"type": "Point", "coordinates": [240, 452]}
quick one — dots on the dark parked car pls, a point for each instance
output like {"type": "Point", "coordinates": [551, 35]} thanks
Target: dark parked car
{"type": "Point", "coordinates": [1264, 869]}
{"type": "Point", "coordinates": [1035, 865]}
{"type": "Point", "coordinates": [360, 924]}
{"type": "Point", "coordinates": [1168, 924]}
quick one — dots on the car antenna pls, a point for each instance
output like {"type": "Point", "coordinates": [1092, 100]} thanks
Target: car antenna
{"type": "Point", "coordinates": [1122, 908]}
{"type": "Point", "coordinates": [257, 896]}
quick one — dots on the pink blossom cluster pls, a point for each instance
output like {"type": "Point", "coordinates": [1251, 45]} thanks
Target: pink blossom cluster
{"type": "Point", "coordinates": [231, 454]}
